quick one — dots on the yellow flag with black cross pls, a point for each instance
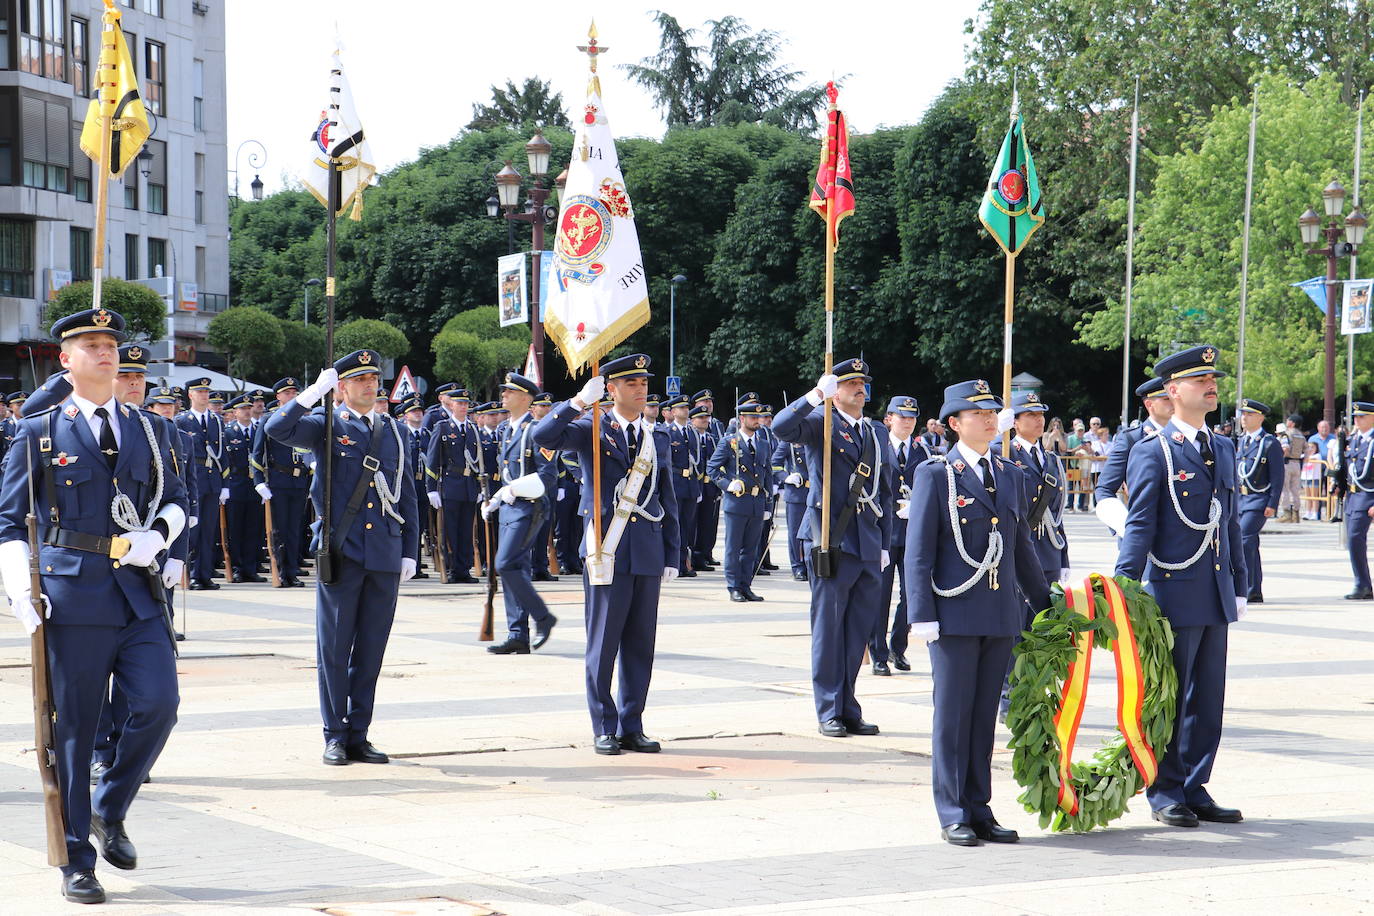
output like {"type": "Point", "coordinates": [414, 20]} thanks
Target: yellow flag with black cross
{"type": "Point", "coordinates": [117, 101]}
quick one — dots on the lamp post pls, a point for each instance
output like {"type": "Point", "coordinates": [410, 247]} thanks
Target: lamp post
{"type": "Point", "coordinates": [1313, 230]}
{"type": "Point", "coordinates": [313, 281]}
{"type": "Point", "coordinates": [535, 212]}
{"type": "Point", "coordinates": [256, 160]}
{"type": "Point", "coordinates": [672, 323]}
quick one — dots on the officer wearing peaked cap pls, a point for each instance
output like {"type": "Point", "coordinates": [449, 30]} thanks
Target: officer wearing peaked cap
{"type": "Point", "coordinates": [909, 453]}
{"type": "Point", "coordinates": [1359, 505]}
{"type": "Point", "coordinates": [528, 473]}
{"type": "Point", "coordinates": [207, 439]}
{"type": "Point", "coordinates": [790, 474]}
{"type": "Point", "coordinates": [458, 468]}
{"type": "Point", "coordinates": [639, 531]}
{"type": "Point", "coordinates": [1182, 537]}
{"type": "Point", "coordinates": [375, 543]}
{"type": "Point", "coordinates": [845, 597]}
{"type": "Point", "coordinates": [244, 508]}
{"type": "Point", "coordinates": [539, 547]}
{"type": "Point", "coordinates": [740, 467]}
{"type": "Point", "coordinates": [688, 462]}
{"type": "Point", "coordinates": [443, 407]}
{"type": "Point", "coordinates": [100, 470]}
{"type": "Point", "coordinates": [1045, 487]}
{"type": "Point", "coordinates": [765, 564]}
{"type": "Point", "coordinates": [708, 510]}
{"type": "Point", "coordinates": [1158, 409]}
{"type": "Point", "coordinates": [281, 477]}
{"type": "Point", "coordinates": [1259, 473]}
{"type": "Point", "coordinates": [968, 551]}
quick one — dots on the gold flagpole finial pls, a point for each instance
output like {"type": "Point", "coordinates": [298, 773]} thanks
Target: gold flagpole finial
{"type": "Point", "coordinates": [591, 48]}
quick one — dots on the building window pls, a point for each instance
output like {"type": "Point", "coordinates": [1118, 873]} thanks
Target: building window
{"type": "Point", "coordinates": [81, 60]}
{"type": "Point", "coordinates": [157, 177]}
{"type": "Point", "coordinates": [81, 167]}
{"type": "Point", "coordinates": [200, 208]}
{"type": "Point", "coordinates": [198, 93]}
{"type": "Point", "coordinates": [157, 256]}
{"type": "Point", "coordinates": [5, 37]}
{"type": "Point", "coordinates": [43, 38]}
{"type": "Point", "coordinates": [131, 189]}
{"type": "Point", "coordinates": [16, 258]}
{"type": "Point", "coordinates": [157, 199]}
{"type": "Point", "coordinates": [47, 138]}
{"type": "Point", "coordinates": [31, 36]}
{"type": "Point", "coordinates": [81, 253]}
{"type": "Point", "coordinates": [200, 188]}
{"type": "Point", "coordinates": [151, 7]}
{"type": "Point", "coordinates": [156, 73]}
{"type": "Point", "coordinates": [200, 267]}
{"type": "Point", "coordinates": [6, 164]}
{"type": "Point", "coordinates": [130, 257]}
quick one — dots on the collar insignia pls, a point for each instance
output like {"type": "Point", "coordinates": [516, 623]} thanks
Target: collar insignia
{"type": "Point", "coordinates": [959, 465]}
{"type": "Point", "coordinates": [1209, 355]}
{"type": "Point", "coordinates": [845, 437]}
{"type": "Point", "coordinates": [615, 425]}
{"type": "Point", "coordinates": [63, 459]}
{"type": "Point", "coordinates": [981, 387]}
{"type": "Point", "coordinates": [1150, 431]}
{"type": "Point", "coordinates": [343, 415]}
{"type": "Point", "coordinates": [1178, 437]}
{"type": "Point", "coordinates": [344, 440]}
{"type": "Point", "coordinates": [72, 410]}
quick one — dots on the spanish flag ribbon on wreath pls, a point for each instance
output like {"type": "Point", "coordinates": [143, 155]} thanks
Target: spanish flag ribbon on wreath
{"type": "Point", "coordinates": [598, 295]}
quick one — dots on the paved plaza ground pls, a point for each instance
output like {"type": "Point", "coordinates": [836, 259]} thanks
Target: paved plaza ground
{"type": "Point", "coordinates": [495, 803]}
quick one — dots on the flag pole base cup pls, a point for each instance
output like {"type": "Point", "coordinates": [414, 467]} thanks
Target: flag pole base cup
{"type": "Point", "coordinates": [822, 563]}
{"type": "Point", "coordinates": [600, 569]}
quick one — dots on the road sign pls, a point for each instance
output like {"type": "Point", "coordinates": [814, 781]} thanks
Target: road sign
{"type": "Point", "coordinates": [404, 386]}
{"type": "Point", "coordinates": [532, 369]}
{"type": "Point", "coordinates": [674, 383]}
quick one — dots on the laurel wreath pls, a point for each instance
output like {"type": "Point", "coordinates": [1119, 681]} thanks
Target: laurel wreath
{"type": "Point", "coordinates": [1109, 779]}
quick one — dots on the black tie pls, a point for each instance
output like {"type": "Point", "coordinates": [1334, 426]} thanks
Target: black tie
{"type": "Point", "coordinates": [632, 435]}
{"type": "Point", "coordinates": [107, 438]}
{"type": "Point", "coordinates": [751, 451]}
{"type": "Point", "coordinates": [1204, 445]}
{"type": "Point", "coordinates": [901, 456]}
{"type": "Point", "coordinates": [989, 481]}
{"type": "Point", "coordinates": [203, 427]}
{"type": "Point", "coordinates": [1037, 460]}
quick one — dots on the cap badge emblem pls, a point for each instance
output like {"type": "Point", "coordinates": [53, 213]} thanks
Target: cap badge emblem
{"type": "Point", "coordinates": [365, 357]}
{"type": "Point", "coordinates": [641, 362]}
{"type": "Point", "coordinates": [101, 318]}
{"type": "Point", "coordinates": [981, 387]}
{"type": "Point", "coordinates": [135, 353]}
{"type": "Point", "coordinates": [1208, 355]}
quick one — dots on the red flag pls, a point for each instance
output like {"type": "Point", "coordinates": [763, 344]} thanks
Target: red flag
{"type": "Point", "coordinates": [832, 196]}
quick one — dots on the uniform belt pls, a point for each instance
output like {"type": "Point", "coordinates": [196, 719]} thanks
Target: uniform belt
{"type": "Point", "coordinates": [114, 547]}
{"type": "Point", "coordinates": [1292, 459]}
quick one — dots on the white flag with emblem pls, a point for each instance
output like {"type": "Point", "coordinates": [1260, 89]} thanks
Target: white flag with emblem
{"type": "Point", "coordinates": [598, 295]}
{"type": "Point", "coordinates": [339, 133]}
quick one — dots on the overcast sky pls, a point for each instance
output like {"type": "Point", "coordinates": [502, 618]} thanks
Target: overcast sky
{"type": "Point", "coordinates": [417, 66]}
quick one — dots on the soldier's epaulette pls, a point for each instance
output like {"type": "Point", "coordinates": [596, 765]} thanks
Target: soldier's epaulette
{"type": "Point", "coordinates": [35, 415]}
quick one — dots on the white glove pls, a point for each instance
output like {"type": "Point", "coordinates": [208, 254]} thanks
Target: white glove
{"type": "Point", "coordinates": [884, 561]}
{"type": "Point", "coordinates": [561, 494]}
{"type": "Point", "coordinates": [407, 569]}
{"type": "Point", "coordinates": [1242, 608]}
{"type": "Point", "coordinates": [904, 508]}
{"type": "Point", "coordinates": [14, 569]}
{"type": "Point", "coordinates": [928, 630]}
{"type": "Point", "coordinates": [826, 386]}
{"type": "Point", "coordinates": [223, 495]}
{"type": "Point", "coordinates": [699, 497]}
{"type": "Point", "coordinates": [264, 491]}
{"type": "Point", "coordinates": [1006, 419]}
{"type": "Point", "coordinates": [736, 487]}
{"type": "Point", "coordinates": [171, 572]}
{"type": "Point", "coordinates": [505, 495]}
{"type": "Point", "coordinates": [1064, 574]}
{"type": "Point", "coordinates": [794, 479]}
{"type": "Point", "coordinates": [1112, 513]}
{"type": "Point", "coordinates": [324, 382]}
{"type": "Point", "coordinates": [488, 508]}
{"type": "Point", "coordinates": [435, 500]}
{"type": "Point", "coordinates": [192, 522]}
{"type": "Point", "coordinates": [592, 391]}
{"type": "Point", "coordinates": [767, 516]}
{"type": "Point", "coordinates": [143, 548]}
{"type": "Point", "coordinates": [669, 574]}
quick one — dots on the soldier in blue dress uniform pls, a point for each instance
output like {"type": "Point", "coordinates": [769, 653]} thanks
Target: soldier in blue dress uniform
{"type": "Point", "coordinates": [10, 425]}
{"type": "Point", "coordinates": [845, 599]}
{"type": "Point", "coordinates": [688, 467]}
{"type": "Point", "coordinates": [567, 525]}
{"type": "Point", "coordinates": [790, 474]}
{"type": "Point", "coordinates": [1158, 409]}
{"type": "Point", "coordinates": [281, 477]}
{"type": "Point", "coordinates": [207, 439]}
{"type": "Point", "coordinates": [1182, 537]}
{"type": "Point", "coordinates": [908, 453]}
{"type": "Point", "coordinates": [456, 466]}
{"type": "Point", "coordinates": [741, 467]}
{"type": "Point", "coordinates": [1045, 487]}
{"type": "Point", "coordinates": [1259, 474]}
{"type": "Point", "coordinates": [1359, 505]}
{"type": "Point", "coordinates": [708, 510]}
{"type": "Point", "coordinates": [443, 408]}
{"type": "Point", "coordinates": [539, 548]}
{"type": "Point", "coordinates": [528, 472]}
{"type": "Point", "coordinates": [244, 505]}
{"type": "Point", "coordinates": [639, 528]}
{"type": "Point", "coordinates": [375, 542]}
{"type": "Point", "coordinates": [98, 468]}
{"type": "Point", "coordinates": [765, 564]}
{"type": "Point", "coordinates": [968, 551]}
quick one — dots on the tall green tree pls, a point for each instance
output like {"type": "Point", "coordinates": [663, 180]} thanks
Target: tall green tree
{"type": "Point", "coordinates": [250, 338]}
{"type": "Point", "coordinates": [732, 78]}
{"type": "Point", "coordinates": [532, 105]}
{"type": "Point", "coordinates": [144, 312]}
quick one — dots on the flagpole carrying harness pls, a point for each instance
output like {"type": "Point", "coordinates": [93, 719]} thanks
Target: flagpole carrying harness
{"type": "Point", "coordinates": [626, 499]}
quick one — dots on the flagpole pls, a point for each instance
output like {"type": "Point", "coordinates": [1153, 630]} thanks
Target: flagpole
{"type": "Point", "coordinates": [324, 566]}
{"type": "Point", "coordinates": [1130, 263]}
{"type": "Point", "coordinates": [595, 552]}
{"type": "Point", "coordinates": [1006, 347]}
{"type": "Point", "coordinates": [1245, 255]}
{"type": "Point", "coordinates": [829, 364]}
{"type": "Point", "coordinates": [107, 75]}
{"type": "Point", "coordinates": [1354, 271]}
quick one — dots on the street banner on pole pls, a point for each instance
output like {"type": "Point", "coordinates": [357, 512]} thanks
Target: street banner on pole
{"type": "Point", "coordinates": [1355, 318]}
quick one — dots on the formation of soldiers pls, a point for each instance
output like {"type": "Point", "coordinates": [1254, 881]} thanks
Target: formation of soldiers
{"type": "Point", "coordinates": [139, 490]}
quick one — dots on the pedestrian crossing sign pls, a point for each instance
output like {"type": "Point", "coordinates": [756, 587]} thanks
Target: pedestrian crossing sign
{"type": "Point", "coordinates": [404, 386]}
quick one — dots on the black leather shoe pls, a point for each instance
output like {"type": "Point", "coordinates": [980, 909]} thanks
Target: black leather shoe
{"type": "Point", "coordinates": [115, 846]}
{"type": "Point", "coordinates": [899, 662]}
{"type": "Point", "coordinates": [959, 835]}
{"type": "Point", "coordinates": [82, 887]}
{"type": "Point", "coordinates": [881, 669]}
{"type": "Point", "coordinates": [98, 769]}
{"type": "Point", "coordinates": [237, 578]}
{"type": "Point", "coordinates": [687, 574]}
{"type": "Point", "coordinates": [1255, 598]}
{"type": "Point", "coordinates": [769, 566]}
{"type": "Point", "coordinates": [542, 575]}
{"type": "Point", "coordinates": [859, 727]}
{"type": "Point", "coordinates": [763, 571]}
{"type": "Point", "coordinates": [366, 753]}
{"type": "Point", "coordinates": [800, 577]}
{"type": "Point", "coordinates": [420, 575]}
{"type": "Point", "coordinates": [833, 728]}
{"type": "Point", "coordinates": [511, 646]}
{"type": "Point", "coordinates": [640, 743]}
{"type": "Point", "coordinates": [334, 754]}
{"type": "Point", "coordinates": [749, 593]}
{"type": "Point", "coordinates": [737, 595]}
{"type": "Point", "coordinates": [1175, 816]}
{"type": "Point", "coordinates": [180, 637]}
{"type": "Point", "coordinates": [464, 580]}
{"type": "Point", "coordinates": [992, 832]}
{"type": "Point", "coordinates": [1217, 814]}
{"type": "Point", "coordinates": [1360, 594]}
{"type": "Point", "coordinates": [542, 631]}
{"type": "Point", "coordinates": [293, 582]}
{"type": "Point", "coordinates": [253, 577]}
{"type": "Point", "coordinates": [608, 745]}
